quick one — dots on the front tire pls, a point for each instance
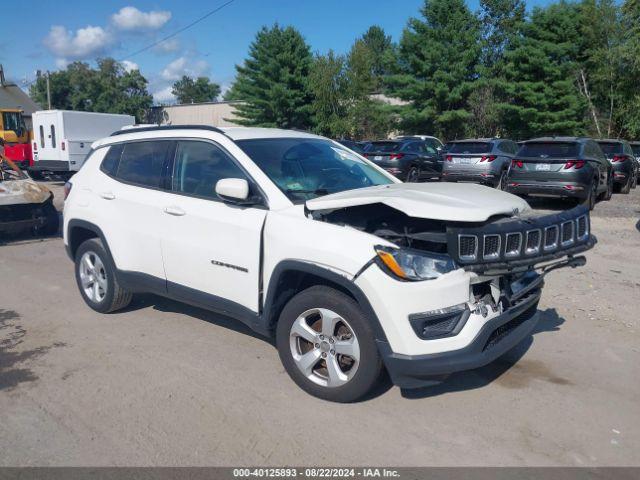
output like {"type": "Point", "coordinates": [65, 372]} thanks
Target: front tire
{"type": "Point", "coordinates": [327, 345]}
{"type": "Point", "coordinates": [96, 279]}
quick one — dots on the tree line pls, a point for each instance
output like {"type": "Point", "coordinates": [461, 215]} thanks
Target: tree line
{"type": "Point", "coordinates": [568, 68]}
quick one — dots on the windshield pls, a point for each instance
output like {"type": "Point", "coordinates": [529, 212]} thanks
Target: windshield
{"type": "Point", "coordinates": [610, 148]}
{"type": "Point", "coordinates": [470, 147]}
{"type": "Point", "coordinates": [549, 149]}
{"type": "Point", "coordinates": [383, 147]}
{"type": "Point", "coordinates": [305, 168]}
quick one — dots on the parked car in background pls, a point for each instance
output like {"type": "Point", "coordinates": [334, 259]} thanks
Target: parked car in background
{"type": "Point", "coordinates": [623, 160]}
{"type": "Point", "coordinates": [564, 167]}
{"type": "Point", "coordinates": [434, 142]}
{"type": "Point", "coordinates": [352, 145]}
{"type": "Point", "coordinates": [410, 160]}
{"type": "Point", "coordinates": [480, 160]}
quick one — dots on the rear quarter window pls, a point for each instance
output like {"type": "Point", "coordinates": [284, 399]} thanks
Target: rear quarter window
{"type": "Point", "coordinates": [111, 160]}
{"type": "Point", "coordinates": [142, 163]}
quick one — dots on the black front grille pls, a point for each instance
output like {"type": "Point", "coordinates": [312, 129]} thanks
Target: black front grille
{"type": "Point", "coordinates": [468, 246]}
{"type": "Point", "coordinates": [582, 227]}
{"type": "Point", "coordinates": [512, 248]}
{"type": "Point", "coordinates": [533, 241]}
{"type": "Point", "coordinates": [491, 246]}
{"type": "Point", "coordinates": [567, 233]}
{"type": "Point", "coordinates": [515, 241]}
{"type": "Point", "coordinates": [550, 237]}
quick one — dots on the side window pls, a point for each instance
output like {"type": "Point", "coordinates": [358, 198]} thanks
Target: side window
{"type": "Point", "coordinates": [112, 159]}
{"type": "Point", "coordinates": [412, 147]}
{"type": "Point", "coordinates": [41, 136]}
{"type": "Point", "coordinates": [53, 136]}
{"type": "Point", "coordinates": [199, 165]}
{"type": "Point", "coordinates": [142, 162]}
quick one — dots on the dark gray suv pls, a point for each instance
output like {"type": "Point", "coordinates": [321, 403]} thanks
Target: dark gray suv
{"type": "Point", "coordinates": [623, 161]}
{"type": "Point", "coordinates": [564, 167]}
{"type": "Point", "coordinates": [481, 160]}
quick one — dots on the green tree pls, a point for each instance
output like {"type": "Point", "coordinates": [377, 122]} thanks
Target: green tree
{"type": "Point", "coordinates": [630, 52]}
{"type": "Point", "coordinates": [107, 88]}
{"type": "Point", "coordinates": [502, 22]}
{"type": "Point", "coordinates": [188, 90]}
{"type": "Point", "coordinates": [439, 56]}
{"type": "Point", "coordinates": [273, 82]}
{"type": "Point", "coordinates": [538, 91]}
{"type": "Point", "coordinates": [329, 85]}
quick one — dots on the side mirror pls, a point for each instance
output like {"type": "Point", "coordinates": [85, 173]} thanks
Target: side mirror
{"type": "Point", "coordinates": [233, 189]}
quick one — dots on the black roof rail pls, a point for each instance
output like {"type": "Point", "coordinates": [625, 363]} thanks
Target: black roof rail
{"type": "Point", "coordinates": [167, 127]}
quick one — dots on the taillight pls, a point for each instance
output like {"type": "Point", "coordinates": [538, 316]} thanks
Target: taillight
{"type": "Point", "coordinates": [449, 158]}
{"type": "Point", "coordinates": [574, 164]}
{"type": "Point", "coordinates": [62, 145]}
{"type": "Point", "coordinates": [35, 146]}
{"type": "Point", "coordinates": [517, 163]}
{"type": "Point", "coordinates": [619, 158]}
{"type": "Point", "coordinates": [67, 189]}
{"type": "Point", "coordinates": [488, 158]}
{"type": "Point", "coordinates": [396, 156]}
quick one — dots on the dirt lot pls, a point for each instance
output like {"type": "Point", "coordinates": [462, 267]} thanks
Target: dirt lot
{"type": "Point", "coordinates": [166, 384]}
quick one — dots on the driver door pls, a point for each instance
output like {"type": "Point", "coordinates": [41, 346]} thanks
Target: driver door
{"type": "Point", "coordinates": [210, 249]}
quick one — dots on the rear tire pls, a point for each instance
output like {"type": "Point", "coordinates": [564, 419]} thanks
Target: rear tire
{"type": "Point", "coordinates": [502, 181]}
{"type": "Point", "coordinates": [413, 175]}
{"type": "Point", "coordinates": [314, 326]}
{"type": "Point", "coordinates": [627, 186]}
{"type": "Point", "coordinates": [96, 278]}
{"type": "Point", "coordinates": [593, 194]}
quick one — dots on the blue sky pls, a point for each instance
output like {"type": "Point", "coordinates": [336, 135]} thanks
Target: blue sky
{"type": "Point", "coordinates": [59, 32]}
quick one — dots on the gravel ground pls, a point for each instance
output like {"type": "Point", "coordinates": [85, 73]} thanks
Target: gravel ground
{"type": "Point", "coordinates": [167, 384]}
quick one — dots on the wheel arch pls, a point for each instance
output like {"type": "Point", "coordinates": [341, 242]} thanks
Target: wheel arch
{"type": "Point", "coordinates": [290, 277]}
{"type": "Point", "coordinates": [79, 231]}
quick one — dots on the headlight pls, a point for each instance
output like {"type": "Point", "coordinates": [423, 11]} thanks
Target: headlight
{"type": "Point", "coordinates": [414, 265]}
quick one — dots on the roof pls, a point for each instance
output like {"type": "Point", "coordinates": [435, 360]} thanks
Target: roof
{"type": "Point", "coordinates": [558, 139]}
{"type": "Point", "coordinates": [234, 133]}
{"type": "Point", "coordinates": [610, 140]}
{"type": "Point", "coordinates": [471, 140]}
{"type": "Point", "coordinates": [12, 96]}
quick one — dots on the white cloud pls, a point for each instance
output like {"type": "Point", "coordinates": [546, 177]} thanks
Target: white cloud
{"type": "Point", "coordinates": [129, 66]}
{"type": "Point", "coordinates": [85, 42]}
{"type": "Point", "coordinates": [184, 66]}
{"type": "Point", "coordinates": [164, 96]}
{"type": "Point", "coordinates": [168, 46]}
{"type": "Point", "coordinates": [131, 19]}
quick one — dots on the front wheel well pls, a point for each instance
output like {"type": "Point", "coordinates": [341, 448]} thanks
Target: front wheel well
{"type": "Point", "coordinates": [290, 283]}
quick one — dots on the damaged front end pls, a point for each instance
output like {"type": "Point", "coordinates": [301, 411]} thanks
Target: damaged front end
{"type": "Point", "coordinates": [24, 204]}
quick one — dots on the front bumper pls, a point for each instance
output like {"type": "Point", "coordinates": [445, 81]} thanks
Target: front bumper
{"type": "Point", "coordinates": [22, 217]}
{"type": "Point", "coordinates": [548, 189]}
{"type": "Point", "coordinates": [494, 339]}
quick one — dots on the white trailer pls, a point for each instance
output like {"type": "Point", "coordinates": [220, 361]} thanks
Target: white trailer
{"type": "Point", "coordinates": [62, 138]}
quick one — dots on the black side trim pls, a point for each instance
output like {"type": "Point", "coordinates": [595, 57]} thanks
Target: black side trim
{"type": "Point", "coordinates": [87, 226]}
{"type": "Point", "coordinates": [272, 305]}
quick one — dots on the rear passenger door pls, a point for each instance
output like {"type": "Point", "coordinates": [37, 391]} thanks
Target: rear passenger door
{"type": "Point", "coordinates": [131, 193]}
{"type": "Point", "coordinates": [211, 249]}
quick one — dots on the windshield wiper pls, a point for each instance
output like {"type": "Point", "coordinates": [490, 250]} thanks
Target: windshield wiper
{"type": "Point", "coordinates": [318, 191]}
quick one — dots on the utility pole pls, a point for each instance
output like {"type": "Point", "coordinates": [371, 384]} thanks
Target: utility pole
{"type": "Point", "coordinates": [48, 92]}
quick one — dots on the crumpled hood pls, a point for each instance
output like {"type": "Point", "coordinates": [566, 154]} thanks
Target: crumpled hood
{"type": "Point", "coordinates": [456, 202]}
{"type": "Point", "coordinates": [13, 192]}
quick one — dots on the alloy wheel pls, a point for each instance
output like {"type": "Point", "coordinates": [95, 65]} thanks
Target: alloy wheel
{"type": "Point", "coordinates": [93, 276]}
{"type": "Point", "coordinates": [324, 347]}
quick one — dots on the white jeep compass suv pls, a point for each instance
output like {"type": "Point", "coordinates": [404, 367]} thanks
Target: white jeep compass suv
{"type": "Point", "coordinates": [352, 271]}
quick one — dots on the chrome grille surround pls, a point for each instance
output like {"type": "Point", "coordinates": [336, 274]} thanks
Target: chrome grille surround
{"type": "Point", "coordinates": [534, 237]}
{"type": "Point", "coordinates": [511, 250]}
{"type": "Point", "coordinates": [491, 247]}
{"type": "Point", "coordinates": [567, 235]}
{"type": "Point", "coordinates": [551, 235]}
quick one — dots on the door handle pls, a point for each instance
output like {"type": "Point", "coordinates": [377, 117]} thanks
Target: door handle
{"type": "Point", "coordinates": [107, 195]}
{"type": "Point", "coordinates": [175, 211]}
